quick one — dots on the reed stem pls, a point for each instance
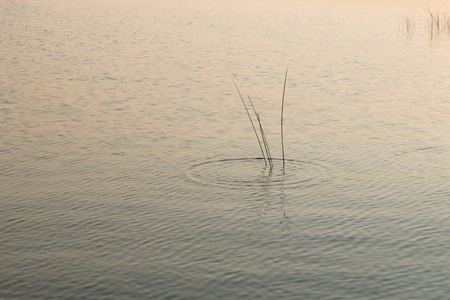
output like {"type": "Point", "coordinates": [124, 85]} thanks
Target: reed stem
{"type": "Point", "coordinates": [263, 136]}
{"type": "Point", "coordinates": [282, 115]}
{"type": "Point", "coordinates": [251, 121]}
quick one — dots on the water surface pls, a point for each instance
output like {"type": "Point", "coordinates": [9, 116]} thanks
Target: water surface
{"type": "Point", "coordinates": [129, 169]}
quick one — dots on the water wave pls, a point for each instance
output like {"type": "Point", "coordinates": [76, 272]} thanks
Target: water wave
{"type": "Point", "coordinates": [248, 172]}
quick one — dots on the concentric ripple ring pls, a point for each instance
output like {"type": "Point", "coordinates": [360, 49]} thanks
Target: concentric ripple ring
{"type": "Point", "coordinates": [247, 172]}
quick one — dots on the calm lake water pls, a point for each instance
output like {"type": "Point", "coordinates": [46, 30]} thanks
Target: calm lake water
{"type": "Point", "coordinates": [129, 168]}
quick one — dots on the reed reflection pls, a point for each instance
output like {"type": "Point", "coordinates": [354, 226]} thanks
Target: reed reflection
{"type": "Point", "coordinates": [267, 209]}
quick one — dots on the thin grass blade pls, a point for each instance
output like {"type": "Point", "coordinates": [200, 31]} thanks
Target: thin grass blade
{"type": "Point", "coordinates": [263, 136]}
{"type": "Point", "coordinates": [282, 115]}
{"type": "Point", "coordinates": [251, 121]}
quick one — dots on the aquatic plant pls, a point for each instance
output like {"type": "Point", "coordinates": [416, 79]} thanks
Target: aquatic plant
{"type": "Point", "coordinates": [265, 152]}
{"type": "Point", "coordinates": [282, 114]}
{"type": "Point", "coordinates": [260, 135]}
{"type": "Point", "coordinates": [263, 135]}
{"type": "Point", "coordinates": [435, 22]}
{"type": "Point", "coordinates": [407, 24]}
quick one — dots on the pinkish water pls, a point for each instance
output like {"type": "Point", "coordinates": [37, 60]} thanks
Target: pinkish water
{"type": "Point", "coordinates": [129, 169]}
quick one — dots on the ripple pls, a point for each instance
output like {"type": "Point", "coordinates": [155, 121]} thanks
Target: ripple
{"type": "Point", "coordinates": [248, 172]}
